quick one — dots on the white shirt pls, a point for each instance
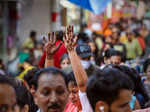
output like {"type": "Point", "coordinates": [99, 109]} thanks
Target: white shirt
{"type": "Point", "coordinates": [86, 107]}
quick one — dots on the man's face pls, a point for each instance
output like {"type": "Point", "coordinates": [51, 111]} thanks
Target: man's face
{"type": "Point", "coordinates": [116, 60]}
{"type": "Point", "coordinates": [51, 95]}
{"type": "Point", "coordinates": [121, 104]}
{"type": "Point", "coordinates": [7, 98]}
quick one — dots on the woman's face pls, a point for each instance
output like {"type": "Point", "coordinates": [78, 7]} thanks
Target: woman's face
{"type": "Point", "coordinates": [65, 63]}
{"type": "Point", "coordinates": [73, 93]}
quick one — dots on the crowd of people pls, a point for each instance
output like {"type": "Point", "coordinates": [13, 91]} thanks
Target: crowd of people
{"type": "Point", "coordinates": [84, 72]}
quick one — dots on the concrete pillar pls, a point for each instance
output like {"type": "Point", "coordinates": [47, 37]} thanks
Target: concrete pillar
{"type": "Point", "coordinates": [55, 15]}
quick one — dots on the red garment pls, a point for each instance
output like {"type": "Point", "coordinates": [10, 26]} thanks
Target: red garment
{"type": "Point", "coordinates": [56, 56]}
{"type": "Point", "coordinates": [141, 42]}
{"type": "Point", "coordinates": [42, 60]}
{"type": "Point", "coordinates": [60, 52]}
{"type": "Point", "coordinates": [70, 107]}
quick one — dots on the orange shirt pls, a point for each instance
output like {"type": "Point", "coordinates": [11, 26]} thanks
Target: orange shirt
{"type": "Point", "coordinates": [107, 32]}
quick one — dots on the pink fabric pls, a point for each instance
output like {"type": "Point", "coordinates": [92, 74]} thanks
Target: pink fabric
{"type": "Point", "coordinates": [144, 110]}
{"type": "Point", "coordinates": [70, 107]}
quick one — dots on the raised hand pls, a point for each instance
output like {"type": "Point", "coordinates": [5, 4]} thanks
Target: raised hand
{"type": "Point", "coordinates": [69, 39]}
{"type": "Point", "coordinates": [50, 45]}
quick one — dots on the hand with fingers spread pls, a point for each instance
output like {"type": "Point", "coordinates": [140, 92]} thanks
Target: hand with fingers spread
{"type": "Point", "coordinates": [69, 39]}
{"type": "Point", "coordinates": [50, 45]}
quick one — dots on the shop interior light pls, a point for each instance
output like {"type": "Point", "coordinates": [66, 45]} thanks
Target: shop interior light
{"type": "Point", "coordinates": [66, 4]}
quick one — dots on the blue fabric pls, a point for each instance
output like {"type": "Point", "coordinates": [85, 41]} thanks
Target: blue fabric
{"type": "Point", "coordinates": [132, 102]}
{"type": "Point", "coordinates": [95, 6]}
{"type": "Point", "coordinates": [140, 98]}
{"type": "Point", "coordinates": [82, 3]}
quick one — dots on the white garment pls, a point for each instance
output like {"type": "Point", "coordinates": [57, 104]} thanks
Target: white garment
{"type": "Point", "coordinates": [86, 107]}
{"type": "Point", "coordinates": [38, 110]}
{"type": "Point", "coordinates": [85, 64]}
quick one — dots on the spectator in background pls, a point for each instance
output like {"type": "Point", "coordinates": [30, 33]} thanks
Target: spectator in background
{"type": "Point", "coordinates": [87, 30]}
{"type": "Point", "coordinates": [141, 41]}
{"type": "Point", "coordinates": [94, 50]}
{"type": "Point", "coordinates": [30, 42]}
{"type": "Point", "coordinates": [26, 65]}
{"type": "Point", "coordinates": [64, 61]}
{"type": "Point", "coordinates": [116, 57]}
{"type": "Point", "coordinates": [85, 54]}
{"type": "Point", "coordinates": [107, 57]}
{"type": "Point", "coordinates": [117, 45]}
{"type": "Point", "coordinates": [133, 47]}
{"type": "Point", "coordinates": [82, 38]}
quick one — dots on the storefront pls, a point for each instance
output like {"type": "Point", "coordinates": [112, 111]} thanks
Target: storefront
{"type": "Point", "coordinates": [8, 26]}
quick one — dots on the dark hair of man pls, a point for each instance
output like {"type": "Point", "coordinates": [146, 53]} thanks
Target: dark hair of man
{"type": "Point", "coordinates": [50, 71]}
{"type": "Point", "coordinates": [146, 64]}
{"type": "Point", "coordinates": [29, 76]}
{"type": "Point", "coordinates": [59, 35]}
{"type": "Point", "coordinates": [105, 86]}
{"type": "Point", "coordinates": [116, 53]}
{"type": "Point", "coordinates": [71, 78]}
{"type": "Point", "coordinates": [24, 97]}
{"type": "Point", "coordinates": [108, 53]}
{"type": "Point", "coordinates": [136, 79]}
{"type": "Point", "coordinates": [110, 44]}
{"type": "Point", "coordinates": [5, 79]}
{"type": "Point", "coordinates": [83, 36]}
{"type": "Point", "coordinates": [32, 33]}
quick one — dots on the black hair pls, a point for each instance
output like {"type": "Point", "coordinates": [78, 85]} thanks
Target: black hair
{"type": "Point", "coordinates": [83, 36]}
{"type": "Point", "coordinates": [136, 79]}
{"type": "Point", "coordinates": [29, 76]}
{"type": "Point", "coordinates": [32, 33]}
{"type": "Point", "coordinates": [24, 97]}
{"type": "Point", "coordinates": [110, 44]}
{"type": "Point", "coordinates": [50, 71]}
{"type": "Point", "coordinates": [63, 57]}
{"type": "Point", "coordinates": [99, 60]}
{"type": "Point", "coordinates": [5, 79]}
{"type": "Point", "coordinates": [105, 86]}
{"type": "Point", "coordinates": [108, 53]}
{"type": "Point", "coordinates": [116, 53]}
{"type": "Point", "coordinates": [146, 64]}
{"type": "Point", "coordinates": [59, 35]}
{"type": "Point", "coordinates": [71, 78]}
